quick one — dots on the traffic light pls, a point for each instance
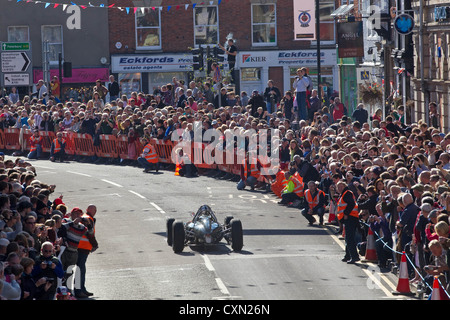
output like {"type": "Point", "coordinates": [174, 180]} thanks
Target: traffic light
{"type": "Point", "coordinates": [197, 57]}
{"type": "Point", "coordinates": [67, 69]}
{"type": "Point", "coordinates": [219, 54]}
{"type": "Point", "coordinates": [208, 60]}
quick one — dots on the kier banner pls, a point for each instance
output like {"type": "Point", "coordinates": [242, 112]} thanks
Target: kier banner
{"type": "Point", "coordinates": [304, 20]}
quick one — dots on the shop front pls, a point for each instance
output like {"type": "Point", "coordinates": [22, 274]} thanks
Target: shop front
{"type": "Point", "coordinates": [148, 72]}
{"type": "Point", "coordinates": [257, 67]}
{"type": "Point", "coordinates": [79, 87]}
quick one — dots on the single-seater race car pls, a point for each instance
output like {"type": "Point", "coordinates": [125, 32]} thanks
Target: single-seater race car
{"type": "Point", "coordinates": [204, 230]}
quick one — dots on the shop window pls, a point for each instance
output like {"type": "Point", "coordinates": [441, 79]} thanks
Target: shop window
{"type": "Point", "coordinates": [158, 79]}
{"type": "Point", "coordinates": [250, 74]}
{"type": "Point", "coordinates": [129, 82]}
{"type": "Point", "coordinates": [148, 29]}
{"type": "Point", "coordinates": [327, 23]}
{"type": "Point", "coordinates": [18, 34]}
{"type": "Point", "coordinates": [52, 41]}
{"type": "Point", "coordinates": [206, 25]}
{"type": "Point", "coordinates": [264, 25]}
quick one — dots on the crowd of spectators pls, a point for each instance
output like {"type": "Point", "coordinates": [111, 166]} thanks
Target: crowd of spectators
{"type": "Point", "coordinates": [36, 235]}
{"type": "Point", "coordinates": [399, 172]}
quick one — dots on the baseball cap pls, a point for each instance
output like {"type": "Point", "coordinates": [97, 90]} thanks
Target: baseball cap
{"type": "Point", "coordinates": [58, 201]}
{"type": "Point", "coordinates": [63, 291]}
{"type": "Point", "coordinates": [76, 209]}
{"type": "Point", "coordinates": [4, 242]}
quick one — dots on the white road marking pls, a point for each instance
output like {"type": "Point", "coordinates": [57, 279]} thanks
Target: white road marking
{"type": "Point", "coordinates": [113, 183]}
{"type": "Point", "coordinates": [219, 281]}
{"type": "Point", "coordinates": [80, 174]}
{"type": "Point", "coordinates": [222, 286]}
{"type": "Point", "coordinates": [369, 274]}
{"type": "Point", "coordinates": [137, 194]}
{"type": "Point", "coordinates": [208, 263]}
{"type": "Point", "coordinates": [158, 208]}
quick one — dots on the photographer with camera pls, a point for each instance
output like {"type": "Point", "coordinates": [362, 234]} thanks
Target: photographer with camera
{"type": "Point", "coordinates": [272, 96]}
{"type": "Point", "coordinates": [380, 226]}
{"type": "Point", "coordinates": [72, 231]}
{"type": "Point", "coordinates": [47, 266]}
{"type": "Point", "coordinates": [438, 266]}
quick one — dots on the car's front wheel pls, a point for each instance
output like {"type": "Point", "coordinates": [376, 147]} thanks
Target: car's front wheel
{"type": "Point", "coordinates": [237, 235]}
{"type": "Point", "coordinates": [178, 236]}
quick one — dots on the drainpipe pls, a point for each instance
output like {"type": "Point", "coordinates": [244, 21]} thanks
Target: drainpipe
{"type": "Point", "coordinates": [423, 84]}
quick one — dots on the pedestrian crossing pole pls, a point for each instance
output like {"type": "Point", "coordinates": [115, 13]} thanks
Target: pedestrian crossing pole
{"type": "Point", "coordinates": [319, 75]}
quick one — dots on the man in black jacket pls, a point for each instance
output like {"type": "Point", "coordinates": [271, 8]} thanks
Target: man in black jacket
{"type": "Point", "coordinates": [368, 201]}
{"type": "Point", "coordinates": [306, 170]}
{"type": "Point", "coordinates": [272, 96]}
{"type": "Point", "coordinates": [88, 124]}
{"type": "Point", "coordinates": [223, 99]}
{"type": "Point", "coordinates": [256, 101]}
{"type": "Point", "coordinates": [360, 114]}
{"type": "Point", "coordinates": [113, 88]}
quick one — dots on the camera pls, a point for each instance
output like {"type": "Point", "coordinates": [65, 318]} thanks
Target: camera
{"type": "Point", "coordinates": [49, 262]}
{"type": "Point", "coordinates": [429, 268]}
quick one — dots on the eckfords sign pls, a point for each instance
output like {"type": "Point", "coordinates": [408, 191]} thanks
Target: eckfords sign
{"type": "Point", "coordinates": [286, 58]}
{"type": "Point", "coordinates": [149, 63]}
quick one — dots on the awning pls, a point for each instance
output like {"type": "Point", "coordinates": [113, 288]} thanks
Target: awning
{"type": "Point", "coordinates": [342, 10]}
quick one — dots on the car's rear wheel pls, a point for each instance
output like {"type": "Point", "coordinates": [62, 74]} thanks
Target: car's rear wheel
{"type": "Point", "coordinates": [178, 236]}
{"type": "Point", "coordinates": [237, 235]}
{"type": "Point", "coordinates": [169, 224]}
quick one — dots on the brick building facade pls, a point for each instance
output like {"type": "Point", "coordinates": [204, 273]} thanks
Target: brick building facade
{"type": "Point", "coordinates": [150, 41]}
{"type": "Point", "coordinates": [431, 79]}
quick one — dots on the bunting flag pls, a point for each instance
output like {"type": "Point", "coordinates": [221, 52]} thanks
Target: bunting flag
{"type": "Point", "coordinates": [113, 5]}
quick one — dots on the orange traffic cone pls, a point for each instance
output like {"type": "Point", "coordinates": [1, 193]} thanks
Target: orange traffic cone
{"type": "Point", "coordinates": [403, 281]}
{"type": "Point", "coordinates": [331, 214]}
{"type": "Point", "coordinates": [438, 292]}
{"type": "Point", "coordinates": [371, 253]}
{"type": "Point", "coordinates": [177, 169]}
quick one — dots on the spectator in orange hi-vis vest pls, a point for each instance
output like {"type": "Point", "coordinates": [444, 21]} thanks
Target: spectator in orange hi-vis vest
{"type": "Point", "coordinates": [250, 172]}
{"type": "Point", "coordinates": [149, 158]}
{"type": "Point", "coordinates": [315, 202]}
{"type": "Point", "coordinates": [57, 150]}
{"type": "Point", "coordinates": [348, 215]}
{"type": "Point", "coordinates": [35, 145]}
{"type": "Point", "coordinates": [293, 194]}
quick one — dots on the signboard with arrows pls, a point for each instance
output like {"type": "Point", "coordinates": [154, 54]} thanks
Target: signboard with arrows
{"type": "Point", "coordinates": [16, 64]}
